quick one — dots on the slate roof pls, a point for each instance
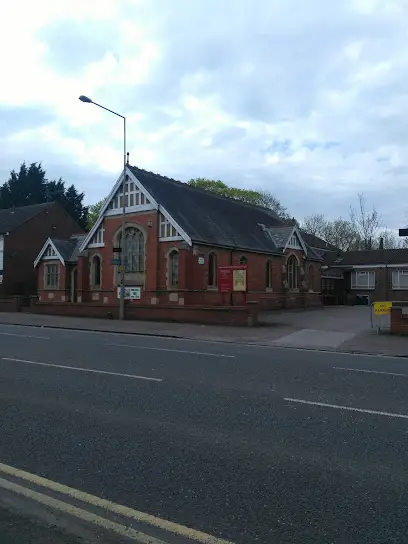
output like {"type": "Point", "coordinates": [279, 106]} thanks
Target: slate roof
{"type": "Point", "coordinates": [68, 248]}
{"type": "Point", "coordinates": [280, 235]}
{"type": "Point", "coordinates": [215, 220]}
{"type": "Point", "coordinates": [316, 242]}
{"type": "Point", "coordinates": [367, 257]}
{"type": "Point", "coordinates": [11, 218]}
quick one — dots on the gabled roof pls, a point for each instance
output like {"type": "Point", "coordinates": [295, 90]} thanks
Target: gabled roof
{"type": "Point", "coordinates": [367, 257]}
{"type": "Point", "coordinates": [280, 235]}
{"type": "Point", "coordinates": [317, 243]}
{"type": "Point", "coordinates": [67, 249]}
{"type": "Point", "coordinates": [211, 219]}
{"type": "Point", "coordinates": [11, 218]}
{"type": "Point", "coordinates": [206, 218]}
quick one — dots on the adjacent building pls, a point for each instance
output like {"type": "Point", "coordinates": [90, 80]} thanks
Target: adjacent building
{"type": "Point", "coordinates": [370, 276]}
{"type": "Point", "coordinates": [22, 234]}
{"type": "Point", "coordinates": [176, 239]}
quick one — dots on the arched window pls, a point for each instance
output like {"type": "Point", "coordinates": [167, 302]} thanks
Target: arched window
{"type": "Point", "coordinates": [311, 278]}
{"type": "Point", "coordinates": [212, 270]}
{"type": "Point", "coordinates": [173, 268]}
{"type": "Point", "coordinates": [243, 260]}
{"type": "Point", "coordinates": [96, 271]}
{"type": "Point", "coordinates": [133, 250]}
{"type": "Point", "coordinates": [292, 273]}
{"type": "Point", "coordinates": [268, 278]}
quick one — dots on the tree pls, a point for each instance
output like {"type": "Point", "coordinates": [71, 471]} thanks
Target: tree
{"type": "Point", "coordinates": [366, 224]}
{"type": "Point", "coordinates": [31, 186]}
{"type": "Point", "coordinates": [93, 213]}
{"type": "Point", "coordinates": [359, 232]}
{"type": "Point", "coordinates": [315, 224]}
{"type": "Point", "coordinates": [260, 198]}
{"type": "Point", "coordinates": [387, 239]}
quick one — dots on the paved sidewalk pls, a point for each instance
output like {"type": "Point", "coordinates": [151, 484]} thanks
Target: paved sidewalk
{"type": "Point", "coordinates": [284, 332]}
{"type": "Point", "coordinates": [216, 333]}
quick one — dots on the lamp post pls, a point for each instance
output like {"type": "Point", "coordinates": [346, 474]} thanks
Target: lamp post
{"type": "Point", "coordinates": [87, 100]}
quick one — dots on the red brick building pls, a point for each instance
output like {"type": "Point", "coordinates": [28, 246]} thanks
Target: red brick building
{"type": "Point", "coordinates": [176, 238]}
{"type": "Point", "coordinates": [22, 233]}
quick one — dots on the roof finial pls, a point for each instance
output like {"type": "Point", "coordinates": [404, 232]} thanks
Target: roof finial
{"type": "Point", "coordinates": [127, 155]}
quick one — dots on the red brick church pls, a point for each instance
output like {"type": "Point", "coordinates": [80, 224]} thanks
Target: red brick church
{"type": "Point", "coordinates": [177, 237]}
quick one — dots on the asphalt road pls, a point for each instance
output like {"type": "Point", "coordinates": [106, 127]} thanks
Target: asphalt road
{"type": "Point", "coordinates": [255, 445]}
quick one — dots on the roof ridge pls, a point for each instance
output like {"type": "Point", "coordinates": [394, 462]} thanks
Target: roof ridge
{"type": "Point", "coordinates": [203, 191]}
{"type": "Point", "coordinates": [27, 206]}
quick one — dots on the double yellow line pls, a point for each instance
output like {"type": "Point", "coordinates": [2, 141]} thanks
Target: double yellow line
{"type": "Point", "coordinates": [103, 504]}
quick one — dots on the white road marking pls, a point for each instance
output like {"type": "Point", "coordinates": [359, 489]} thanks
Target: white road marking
{"type": "Point", "coordinates": [370, 371]}
{"type": "Point", "coordinates": [24, 335]}
{"type": "Point", "coordinates": [173, 350]}
{"type": "Point", "coordinates": [83, 369]}
{"type": "Point", "coordinates": [350, 408]}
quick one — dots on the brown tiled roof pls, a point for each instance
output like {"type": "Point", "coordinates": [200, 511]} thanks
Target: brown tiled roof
{"type": "Point", "coordinates": [367, 257]}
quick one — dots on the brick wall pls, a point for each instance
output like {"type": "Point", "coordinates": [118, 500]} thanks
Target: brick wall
{"type": "Point", "coordinates": [61, 294]}
{"type": "Point", "coordinates": [383, 287]}
{"type": "Point", "coordinates": [193, 288]}
{"type": "Point", "coordinates": [399, 319]}
{"type": "Point", "coordinates": [11, 304]}
{"type": "Point", "coordinates": [23, 245]}
{"type": "Point", "coordinates": [237, 316]}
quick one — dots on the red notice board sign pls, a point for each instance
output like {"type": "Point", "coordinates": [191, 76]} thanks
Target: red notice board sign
{"type": "Point", "coordinates": [232, 279]}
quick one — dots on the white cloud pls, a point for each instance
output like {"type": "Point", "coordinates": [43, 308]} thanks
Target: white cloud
{"type": "Point", "coordinates": [305, 99]}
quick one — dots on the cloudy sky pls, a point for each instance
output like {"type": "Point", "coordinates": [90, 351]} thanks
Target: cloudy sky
{"type": "Point", "coordinates": [308, 99]}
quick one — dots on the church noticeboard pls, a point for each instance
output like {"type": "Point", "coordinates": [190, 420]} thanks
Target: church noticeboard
{"type": "Point", "coordinates": [232, 279]}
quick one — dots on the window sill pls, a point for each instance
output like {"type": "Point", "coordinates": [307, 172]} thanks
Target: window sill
{"type": "Point", "coordinates": [269, 289]}
{"type": "Point", "coordinates": [212, 288]}
{"type": "Point", "coordinates": [363, 288]}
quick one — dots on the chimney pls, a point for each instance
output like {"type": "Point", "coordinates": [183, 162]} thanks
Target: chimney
{"type": "Point", "coordinates": [381, 246]}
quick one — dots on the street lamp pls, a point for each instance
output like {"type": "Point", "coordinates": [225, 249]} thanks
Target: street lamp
{"type": "Point", "coordinates": [87, 100]}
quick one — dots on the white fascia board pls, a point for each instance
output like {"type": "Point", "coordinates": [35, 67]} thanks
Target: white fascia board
{"type": "Point", "coordinates": [302, 243]}
{"type": "Point", "coordinates": [170, 219]}
{"type": "Point", "coordinates": [296, 231]}
{"type": "Point", "coordinates": [117, 185]}
{"type": "Point", "coordinates": [101, 214]}
{"type": "Point", "coordinates": [48, 243]}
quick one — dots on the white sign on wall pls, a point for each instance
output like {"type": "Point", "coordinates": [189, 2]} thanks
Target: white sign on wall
{"type": "Point", "coordinates": [200, 260]}
{"type": "Point", "coordinates": [131, 293]}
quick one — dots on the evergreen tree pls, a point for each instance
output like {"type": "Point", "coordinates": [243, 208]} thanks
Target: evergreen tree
{"type": "Point", "coordinates": [30, 186]}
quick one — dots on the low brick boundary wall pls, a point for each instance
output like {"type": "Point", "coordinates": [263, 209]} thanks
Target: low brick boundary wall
{"type": "Point", "coordinates": [399, 318]}
{"type": "Point", "coordinates": [11, 304]}
{"type": "Point", "coordinates": [223, 315]}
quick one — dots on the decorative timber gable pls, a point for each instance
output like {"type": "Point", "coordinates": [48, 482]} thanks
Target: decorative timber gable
{"type": "Point", "coordinates": [137, 199]}
{"type": "Point", "coordinates": [97, 239]}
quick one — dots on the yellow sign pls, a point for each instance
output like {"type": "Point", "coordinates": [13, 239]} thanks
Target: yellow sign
{"type": "Point", "coordinates": [239, 280]}
{"type": "Point", "coordinates": [382, 308]}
